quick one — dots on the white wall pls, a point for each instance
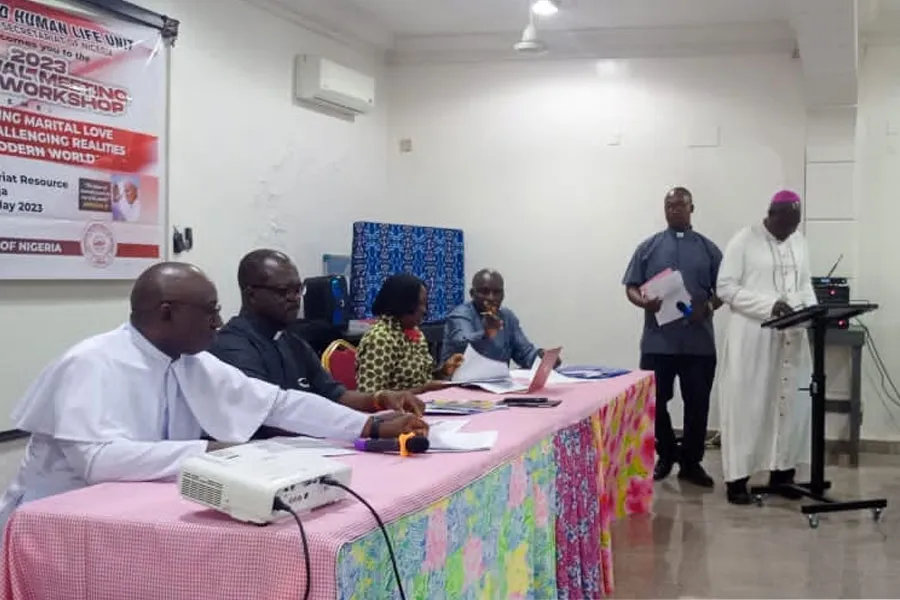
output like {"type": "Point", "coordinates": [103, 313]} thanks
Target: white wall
{"type": "Point", "coordinates": [557, 170]}
{"type": "Point", "coordinates": [878, 182]}
{"type": "Point", "coordinates": [248, 169]}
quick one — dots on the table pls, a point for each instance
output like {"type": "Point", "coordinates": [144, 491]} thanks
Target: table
{"type": "Point", "coordinates": [530, 518]}
{"type": "Point", "coordinates": [853, 338]}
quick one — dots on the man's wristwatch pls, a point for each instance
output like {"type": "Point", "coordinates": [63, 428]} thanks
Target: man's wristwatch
{"type": "Point", "coordinates": [374, 429]}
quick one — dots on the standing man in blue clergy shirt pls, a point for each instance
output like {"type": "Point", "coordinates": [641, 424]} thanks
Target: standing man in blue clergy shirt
{"type": "Point", "coordinates": [492, 329]}
{"type": "Point", "coordinates": [685, 348]}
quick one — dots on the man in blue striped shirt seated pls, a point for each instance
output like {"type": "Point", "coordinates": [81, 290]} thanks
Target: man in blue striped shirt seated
{"type": "Point", "coordinates": [490, 328]}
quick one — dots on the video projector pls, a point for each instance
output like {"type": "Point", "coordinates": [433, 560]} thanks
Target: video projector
{"type": "Point", "coordinates": [243, 481]}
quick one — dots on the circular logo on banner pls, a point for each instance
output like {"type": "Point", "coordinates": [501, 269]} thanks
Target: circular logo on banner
{"type": "Point", "coordinates": [98, 245]}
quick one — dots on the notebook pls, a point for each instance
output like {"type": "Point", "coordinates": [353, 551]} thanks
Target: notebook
{"type": "Point", "coordinates": [461, 407]}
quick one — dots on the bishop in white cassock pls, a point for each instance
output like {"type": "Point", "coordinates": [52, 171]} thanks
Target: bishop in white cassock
{"type": "Point", "coordinates": [132, 404]}
{"type": "Point", "coordinates": [764, 416]}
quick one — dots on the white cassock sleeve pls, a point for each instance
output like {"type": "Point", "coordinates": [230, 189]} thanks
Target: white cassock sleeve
{"type": "Point", "coordinates": [315, 416]}
{"type": "Point", "coordinates": [730, 285]}
{"type": "Point", "coordinates": [125, 460]}
{"type": "Point", "coordinates": [100, 420]}
{"type": "Point", "coordinates": [231, 406]}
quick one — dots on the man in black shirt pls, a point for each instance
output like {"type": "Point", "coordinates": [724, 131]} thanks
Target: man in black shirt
{"type": "Point", "coordinates": [257, 343]}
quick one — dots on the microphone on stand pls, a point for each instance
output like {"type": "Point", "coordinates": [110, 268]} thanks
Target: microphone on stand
{"type": "Point", "coordinates": [686, 309]}
{"type": "Point", "coordinates": [406, 444]}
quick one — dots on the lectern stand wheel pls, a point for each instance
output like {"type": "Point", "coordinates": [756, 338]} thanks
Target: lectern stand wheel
{"type": "Point", "coordinates": [758, 499]}
{"type": "Point", "coordinates": [876, 514]}
{"type": "Point", "coordinates": [813, 521]}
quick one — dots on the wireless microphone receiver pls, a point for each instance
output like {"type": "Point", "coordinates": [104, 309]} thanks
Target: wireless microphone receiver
{"type": "Point", "coordinates": [406, 444]}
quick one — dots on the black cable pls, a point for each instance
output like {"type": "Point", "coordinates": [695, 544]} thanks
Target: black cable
{"type": "Point", "coordinates": [886, 380]}
{"type": "Point", "coordinates": [387, 539]}
{"type": "Point", "coordinates": [280, 504]}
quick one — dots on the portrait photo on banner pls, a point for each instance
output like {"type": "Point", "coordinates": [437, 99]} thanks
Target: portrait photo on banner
{"type": "Point", "coordinates": [83, 116]}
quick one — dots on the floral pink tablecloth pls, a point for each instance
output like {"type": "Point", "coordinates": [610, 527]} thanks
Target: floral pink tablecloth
{"type": "Point", "coordinates": [537, 526]}
{"type": "Point", "coordinates": [529, 519]}
{"type": "Point", "coordinates": [605, 466]}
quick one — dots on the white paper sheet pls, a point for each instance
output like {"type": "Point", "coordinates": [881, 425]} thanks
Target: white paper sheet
{"type": "Point", "coordinates": [457, 441]}
{"type": "Point", "coordinates": [554, 378]}
{"type": "Point", "coordinates": [445, 425]}
{"type": "Point", "coordinates": [444, 435]}
{"type": "Point", "coordinates": [668, 286]}
{"type": "Point", "coordinates": [310, 446]}
{"type": "Point", "coordinates": [506, 386]}
{"type": "Point", "coordinates": [477, 368]}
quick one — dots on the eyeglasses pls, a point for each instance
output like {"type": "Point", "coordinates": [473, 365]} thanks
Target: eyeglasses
{"type": "Point", "coordinates": [285, 291]}
{"type": "Point", "coordinates": [210, 309]}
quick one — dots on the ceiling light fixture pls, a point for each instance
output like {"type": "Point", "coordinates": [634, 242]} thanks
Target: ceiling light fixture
{"type": "Point", "coordinates": [530, 44]}
{"type": "Point", "coordinates": [545, 8]}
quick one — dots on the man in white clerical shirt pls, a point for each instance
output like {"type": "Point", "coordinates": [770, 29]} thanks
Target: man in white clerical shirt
{"type": "Point", "coordinates": [764, 415]}
{"type": "Point", "coordinates": [133, 403]}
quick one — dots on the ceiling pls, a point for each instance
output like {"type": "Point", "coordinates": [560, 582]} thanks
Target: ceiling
{"type": "Point", "coordinates": [429, 17]}
{"type": "Point", "coordinates": [826, 33]}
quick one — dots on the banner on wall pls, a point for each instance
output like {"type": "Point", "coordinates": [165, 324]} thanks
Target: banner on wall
{"type": "Point", "coordinates": [82, 125]}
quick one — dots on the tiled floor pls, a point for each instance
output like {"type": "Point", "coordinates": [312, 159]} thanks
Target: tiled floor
{"type": "Point", "coordinates": [699, 546]}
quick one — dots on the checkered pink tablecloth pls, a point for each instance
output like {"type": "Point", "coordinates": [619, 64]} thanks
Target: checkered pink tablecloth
{"type": "Point", "coordinates": [141, 541]}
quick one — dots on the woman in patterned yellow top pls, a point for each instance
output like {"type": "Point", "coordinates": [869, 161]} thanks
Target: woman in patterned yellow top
{"type": "Point", "coordinates": [393, 354]}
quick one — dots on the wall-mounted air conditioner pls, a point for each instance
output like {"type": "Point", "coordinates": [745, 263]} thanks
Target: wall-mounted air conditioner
{"type": "Point", "coordinates": [325, 83]}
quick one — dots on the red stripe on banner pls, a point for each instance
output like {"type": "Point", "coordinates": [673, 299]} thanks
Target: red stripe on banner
{"type": "Point", "coordinates": [41, 247]}
{"type": "Point", "coordinates": [25, 134]}
{"type": "Point", "coordinates": [44, 247]}
{"type": "Point", "coordinates": [137, 251]}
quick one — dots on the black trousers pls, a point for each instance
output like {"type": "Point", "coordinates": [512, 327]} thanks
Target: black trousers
{"type": "Point", "coordinates": [695, 378]}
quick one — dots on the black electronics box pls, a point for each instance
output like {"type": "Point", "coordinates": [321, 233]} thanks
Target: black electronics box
{"type": "Point", "coordinates": [832, 290]}
{"type": "Point", "coordinates": [327, 299]}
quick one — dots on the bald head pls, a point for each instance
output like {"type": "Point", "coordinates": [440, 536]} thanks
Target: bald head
{"type": "Point", "coordinates": [176, 307]}
{"type": "Point", "coordinates": [486, 275]}
{"type": "Point", "coordinates": [681, 192]}
{"type": "Point", "coordinates": [254, 267]}
{"type": "Point", "coordinates": [487, 290]}
{"type": "Point", "coordinates": [270, 287]}
{"type": "Point", "coordinates": [679, 206]}
{"type": "Point", "coordinates": [165, 282]}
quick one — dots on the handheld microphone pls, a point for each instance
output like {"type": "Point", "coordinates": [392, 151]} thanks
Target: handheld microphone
{"type": "Point", "coordinates": [406, 444]}
{"type": "Point", "coordinates": [685, 309]}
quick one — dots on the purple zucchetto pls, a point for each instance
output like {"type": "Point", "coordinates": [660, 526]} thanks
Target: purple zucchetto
{"type": "Point", "coordinates": [786, 197]}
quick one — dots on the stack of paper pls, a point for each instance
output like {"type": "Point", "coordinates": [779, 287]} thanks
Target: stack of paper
{"type": "Point", "coordinates": [310, 446]}
{"type": "Point", "coordinates": [445, 436]}
{"type": "Point", "coordinates": [668, 286]}
{"type": "Point", "coordinates": [477, 368]}
{"type": "Point", "coordinates": [462, 442]}
{"type": "Point", "coordinates": [490, 375]}
{"type": "Point", "coordinates": [460, 407]}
